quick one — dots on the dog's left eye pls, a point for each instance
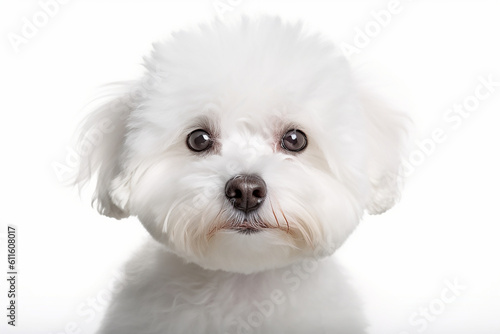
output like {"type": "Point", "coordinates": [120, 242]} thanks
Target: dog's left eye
{"type": "Point", "coordinates": [294, 141]}
{"type": "Point", "coordinates": [199, 140]}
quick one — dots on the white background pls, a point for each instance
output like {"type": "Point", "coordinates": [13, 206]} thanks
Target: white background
{"type": "Point", "coordinates": [446, 227]}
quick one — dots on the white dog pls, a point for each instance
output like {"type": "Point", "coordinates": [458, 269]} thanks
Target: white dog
{"type": "Point", "coordinates": [249, 153]}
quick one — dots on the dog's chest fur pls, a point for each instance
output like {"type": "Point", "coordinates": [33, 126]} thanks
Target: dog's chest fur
{"type": "Point", "coordinates": [162, 294]}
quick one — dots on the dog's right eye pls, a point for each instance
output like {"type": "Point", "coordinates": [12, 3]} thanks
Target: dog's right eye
{"type": "Point", "coordinates": [199, 140]}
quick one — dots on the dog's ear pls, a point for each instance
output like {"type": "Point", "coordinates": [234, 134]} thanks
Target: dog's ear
{"type": "Point", "coordinates": [388, 132]}
{"type": "Point", "coordinates": [100, 146]}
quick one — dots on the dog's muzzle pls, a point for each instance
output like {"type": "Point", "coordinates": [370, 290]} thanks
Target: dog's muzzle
{"type": "Point", "coordinates": [246, 192]}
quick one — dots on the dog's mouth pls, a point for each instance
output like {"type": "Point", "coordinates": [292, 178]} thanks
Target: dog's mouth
{"type": "Point", "coordinates": [248, 228]}
{"type": "Point", "coordinates": [246, 225]}
{"type": "Point", "coordinates": [249, 224]}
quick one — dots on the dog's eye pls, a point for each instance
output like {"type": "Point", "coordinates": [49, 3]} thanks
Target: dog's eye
{"type": "Point", "coordinates": [199, 140]}
{"type": "Point", "coordinates": [294, 141]}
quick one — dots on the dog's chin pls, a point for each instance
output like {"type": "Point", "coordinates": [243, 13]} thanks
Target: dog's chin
{"type": "Point", "coordinates": [248, 249]}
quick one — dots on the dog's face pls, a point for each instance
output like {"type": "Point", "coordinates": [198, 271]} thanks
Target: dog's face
{"type": "Point", "coordinates": [249, 147]}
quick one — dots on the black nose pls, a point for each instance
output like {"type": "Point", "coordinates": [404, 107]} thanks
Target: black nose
{"type": "Point", "coordinates": [246, 192]}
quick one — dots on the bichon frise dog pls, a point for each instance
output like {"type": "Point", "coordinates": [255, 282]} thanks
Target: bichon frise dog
{"type": "Point", "coordinates": [249, 153]}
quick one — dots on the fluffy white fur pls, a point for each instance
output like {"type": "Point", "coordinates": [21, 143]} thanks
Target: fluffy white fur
{"type": "Point", "coordinates": [246, 83]}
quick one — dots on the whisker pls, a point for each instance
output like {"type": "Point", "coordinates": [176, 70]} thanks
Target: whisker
{"type": "Point", "coordinates": [286, 220]}
{"type": "Point", "coordinates": [274, 214]}
{"type": "Point", "coordinates": [216, 227]}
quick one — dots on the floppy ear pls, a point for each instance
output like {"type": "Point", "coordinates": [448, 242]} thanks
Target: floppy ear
{"type": "Point", "coordinates": [100, 145]}
{"type": "Point", "coordinates": [387, 135]}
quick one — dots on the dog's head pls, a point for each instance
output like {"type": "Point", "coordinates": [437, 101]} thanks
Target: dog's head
{"type": "Point", "coordinates": [245, 147]}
